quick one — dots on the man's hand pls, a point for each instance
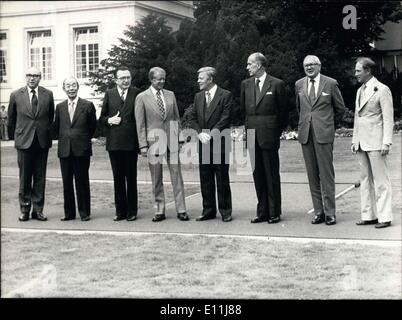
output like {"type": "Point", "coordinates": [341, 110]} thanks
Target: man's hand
{"type": "Point", "coordinates": [144, 151]}
{"type": "Point", "coordinates": [115, 120]}
{"type": "Point", "coordinates": [354, 147]}
{"type": "Point", "coordinates": [204, 137]}
{"type": "Point", "coordinates": [384, 149]}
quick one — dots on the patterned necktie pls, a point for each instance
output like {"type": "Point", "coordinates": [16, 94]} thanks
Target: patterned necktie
{"type": "Point", "coordinates": [208, 98]}
{"type": "Point", "coordinates": [311, 94]}
{"type": "Point", "coordinates": [257, 89]}
{"type": "Point", "coordinates": [122, 96]}
{"type": "Point", "coordinates": [71, 110]}
{"type": "Point", "coordinates": [34, 102]}
{"type": "Point", "coordinates": [160, 103]}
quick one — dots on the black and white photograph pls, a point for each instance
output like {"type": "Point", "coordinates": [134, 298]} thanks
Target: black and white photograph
{"type": "Point", "coordinates": [201, 155]}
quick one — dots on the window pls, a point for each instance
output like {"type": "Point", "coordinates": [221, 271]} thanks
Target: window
{"type": "Point", "coordinates": [86, 51]}
{"type": "Point", "coordinates": [40, 52]}
{"type": "Point", "coordinates": [3, 57]}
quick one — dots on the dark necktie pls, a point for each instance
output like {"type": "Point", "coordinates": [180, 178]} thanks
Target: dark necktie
{"type": "Point", "coordinates": [160, 103]}
{"type": "Point", "coordinates": [122, 96]}
{"type": "Point", "coordinates": [34, 102]}
{"type": "Point", "coordinates": [311, 94]}
{"type": "Point", "coordinates": [257, 89]}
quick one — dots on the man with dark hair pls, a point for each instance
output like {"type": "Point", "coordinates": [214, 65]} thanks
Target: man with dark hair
{"type": "Point", "coordinates": [264, 108]}
{"type": "Point", "coordinates": [372, 139]}
{"type": "Point", "coordinates": [122, 143]}
{"type": "Point", "coordinates": [30, 114]}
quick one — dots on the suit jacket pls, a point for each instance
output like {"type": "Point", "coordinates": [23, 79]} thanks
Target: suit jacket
{"type": "Point", "coordinates": [215, 118]}
{"type": "Point", "coordinates": [374, 118]}
{"type": "Point", "coordinates": [152, 127]}
{"type": "Point", "coordinates": [323, 112]}
{"type": "Point", "coordinates": [74, 137]}
{"type": "Point", "coordinates": [269, 114]}
{"type": "Point", "coordinates": [122, 137]}
{"type": "Point", "coordinates": [23, 123]}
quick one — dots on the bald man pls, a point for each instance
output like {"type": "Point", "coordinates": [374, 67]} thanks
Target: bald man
{"type": "Point", "coordinates": [30, 114]}
{"type": "Point", "coordinates": [74, 126]}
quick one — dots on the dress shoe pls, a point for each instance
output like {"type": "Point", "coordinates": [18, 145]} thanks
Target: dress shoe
{"type": "Point", "coordinates": [206, 217]}
{"type": "Point", "coordinates": [366, 222]}
{"type": "Point", "coordinates": [38, 216]}
{"type": "Point", "coordinates": [132, 218]}
{"type": "Point", "coordinates": [67, 218]}
{"type": "Point", "coordinates": [274, 220]}
{"type": "Point", "coordinates": [227, 219]}
{"type": "Point", "coordinates": [24, 217]}
{"type": "Point", "coordinates": [258, 220]}
{"type": "Point", "coordinates": [159, 217]}
{"type": "Point", "coordinates": [183, 216]}
{"type": "Point", "coordinates": [330, 220]}
{"type": "Point", "coordinates": [118, 218]}
{"type": "Point", "coordinates": [86, 218]}
{"type": "Point", "coordinates": [383, 224]}
{"type": "Point", "coordinates": [318, 218]}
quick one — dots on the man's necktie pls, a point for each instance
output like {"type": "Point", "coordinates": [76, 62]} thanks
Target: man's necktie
{"type": "Point", "coordinates": [71, 110]}
{"type": "Point", "coordinates": [311, 94]}
{"type": "Point", "coordinates": [160, 103]}
{"type": "Point", "coordinates": [362, 90]}
{"type": "Point", "coordinates": [34, 102]}
{"type": "Point", "coordinates": [257, 89]}
{"type": "Point", "coordinates": [208, 98]}
{"type": "Point", "coordinates": [122, 96]}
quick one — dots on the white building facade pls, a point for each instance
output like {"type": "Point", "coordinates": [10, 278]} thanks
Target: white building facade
{"type": "Point", "coordinates": [64, 38]}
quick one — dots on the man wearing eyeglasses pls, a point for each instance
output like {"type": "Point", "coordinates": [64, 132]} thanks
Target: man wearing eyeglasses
{"type": "Point", "coordinates": [320, 106]}
{"type": "Point", "coordinates": [122, 143]}
{"type": "Point", "coordinates": [30, 114]}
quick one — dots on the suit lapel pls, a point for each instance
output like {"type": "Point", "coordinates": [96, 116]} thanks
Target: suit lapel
{"type": "Point", "coordinates": [168, 103]}
{"type": "Point", "coordinates": [77, 111]}
{"type": "Point", "coordinates": [367, 96]}
{"type": "Point", "coordinates": [265, 87]}
{"type": "Point", "coordinates": [212, 106]}
{"type": "Point", "coordinates": [200, 102]}
{"type": "Point", "coordinates": [152, 101]}
{"type": "Point", "coordinates": [41, 98]}
{"type": "Point", "coordinates": [24, 92]}
{"type": "Point", "coordinates": [320, 88]}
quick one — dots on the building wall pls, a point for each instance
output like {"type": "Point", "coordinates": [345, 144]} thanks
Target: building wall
{"type": "Point", "coordinates": [18, 18]}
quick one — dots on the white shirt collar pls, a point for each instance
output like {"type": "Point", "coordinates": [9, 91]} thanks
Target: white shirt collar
{"type": "Point", "coordinates": [121, 91]}
{"type": "Point", "coordinates": [316, 80]}
{"type": "Point", "coordinates": [29, 90]}
{"type": "Point", "coordinates": [212, 91]}
{"type": "Point", "coordinates": [75, 101]}
{"type": "Point", "coordinates": [262, 79]}
{"type": "Point", "coordinates": [154, 91]}
{"type": "Point", "coordinates": [369, 84]}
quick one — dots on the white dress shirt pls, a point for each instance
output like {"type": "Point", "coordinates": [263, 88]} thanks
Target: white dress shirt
{"type": "Point", "coordinates": [316, 84]}
{"type": "Point", "coordinates": [75, 104]}
{"type": "Point", "coordinates": [262, 80]}
{"type": "Point", "coordinates": [121, 91]}
{"type": "Point", "coordinates": [212, 92]}
{"type": "Point", "coordinates": [30, 94]}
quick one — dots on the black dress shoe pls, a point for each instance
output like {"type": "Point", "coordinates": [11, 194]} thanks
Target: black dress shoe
{"type": "Point", "coordinates": [206, 217]}
{"type": "Point", "coordinates": [38, 216]}
{"type": "Point", "coordinates": [24, 217]}
{"type": "Point", "coordinates": [118, 218]}
{"type": "Point", "coordinates": [132, 218]}
{"type": "Point", "coordinates": [318, 218]}
{"type": "Point", "coordinates": [67, 218]}
{"type": "Point", "coordinates": [383, 224]}
{"type": "Point", "coordinates": [159, 217]}
{"type": "Point", "coordinates": [183, 216]}
{"type": "Point", "coordinates": [258, 220]}
{"type": "Point", "coordinates": [274, 220]}
{"type": "Point", "coordinates": [227, 219]}
{"type": "Point", "coordinates": [330, 220]}
{"type": "Point", "coordinates": [366, 222]}
{"type": "Point", "coordinates": [86, 218]}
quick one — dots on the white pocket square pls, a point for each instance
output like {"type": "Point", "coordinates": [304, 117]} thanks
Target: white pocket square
{"type": "Point", "coordinates": [325, 94]}
{"type": "Point", "coordinates": [269, 92]}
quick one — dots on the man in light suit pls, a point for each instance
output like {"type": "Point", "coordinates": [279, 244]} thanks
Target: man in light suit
{"type": "Point", "coordinates": [74, 126]}
{"type": "Point", "coordinates": [122, 143]}
{"type": "Point", "coordinates": [320, 105]}
{"type": "Point", "coordinates": [210, 116]}
{"type": "Point", "coordinates": [263, 106]}
{"type": "Point", "coordinates": [30, 114]}
{"type": "Point", "coordinates": [158, 119]}
{"type": "Point", "coordinates": [372, 138]}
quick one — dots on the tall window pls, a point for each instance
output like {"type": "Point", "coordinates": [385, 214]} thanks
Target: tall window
{"type": "Point", "coordinates": [40, 52]}
{"type": "Point", "coordinates": [3, 57]}
{"type": "Point", "coordinates": [86, 45]}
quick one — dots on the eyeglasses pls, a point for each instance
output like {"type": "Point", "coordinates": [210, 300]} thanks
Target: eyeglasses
{"type": "Point", "coordinates": [32, 76]}
{"type": "Point", "coordinates": [124, 78]}
{"type": "Point", "coordinates": [311, 65]}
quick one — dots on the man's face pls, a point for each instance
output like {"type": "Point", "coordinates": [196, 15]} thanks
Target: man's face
{"type": "Point", "coordinates": [252, 65]}
{"type": "Point", "coordinates": [311, 68]}
{"type": "Point", "coordinates": [158, 80]}
{"type": "Point", "coordinates": [204, 81]}
{"type": "Point", "coordinates": [361, 74]}
{"type": "Point", "coordinates": [32, 77]}
{"type": "Point", "coordinates": [71, 88]}
{"type": "Point", "coordinates": [123, 79]}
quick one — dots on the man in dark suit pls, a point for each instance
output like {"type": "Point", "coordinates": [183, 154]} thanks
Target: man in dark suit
{"type": "Point", "coordinates": [210, 117]}
{"type": "Point", "coordinates": [264, 108]}
{"type": "Point", "coordinates": [74, 126]}
{"type": "Point", "coordinates": [30, 114]}
{"type": "Point", "coordinates": [320, 104]}
{"type": "Point", "coordinates": [122, 143]}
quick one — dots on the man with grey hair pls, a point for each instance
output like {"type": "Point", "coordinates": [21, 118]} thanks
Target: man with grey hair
{"type": "Point", "coordinates": [30, 114]}
{"type": "Point", "coordinates": [264, 107]}
{"type": "Point", "coordinates": [372, 139]}
{"type": "Point", "coordinates": [320, 106]}
{"type": "Point", "coordinates": [157, 117]}
{"type": "Point", "coordinates": [74, 126]}
{"type": "Point", "coordinates": [210, 117]}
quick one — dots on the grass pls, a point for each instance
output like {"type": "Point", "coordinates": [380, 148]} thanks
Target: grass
{"type": "Point", "coordinates": [195, 267]}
